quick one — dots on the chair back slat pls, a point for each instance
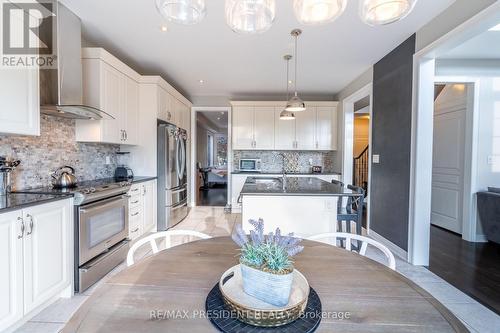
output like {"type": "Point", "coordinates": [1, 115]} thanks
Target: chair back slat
{"type": "Point", "coordinates": [365, 241]}
{"type": "Point", "coordinates": [167, 235]}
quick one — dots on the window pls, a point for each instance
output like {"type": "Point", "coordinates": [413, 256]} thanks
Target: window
{"type": "Point", "coordinates": [210, 150]}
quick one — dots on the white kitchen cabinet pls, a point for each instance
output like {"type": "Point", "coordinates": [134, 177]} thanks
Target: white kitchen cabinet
{"type": "Point", "coordinates": [326, 120]}
{"type": "Point", "coordinates": [243, 128]}
{"type": "Point", "coordinates": [142, 208]}
{"type": "Point", "coordinates": [11, 274]}
{"type": "Point", "coordinates": [149, 204]}
{"type": "Point", "coordinates": [263, 128]}
{"type": "Point", "coordinates": [20, 98]}
{"type": "Point", "coordinates": [109, 85]}
{"type": "Point", "coordinates": [47, 252]}
{"type": "Point", "coordinates": [305, 130]}
{"type": "Point", "coordinates": [284, 132]}
{"type": "Point", "coordinates": [36, 261]}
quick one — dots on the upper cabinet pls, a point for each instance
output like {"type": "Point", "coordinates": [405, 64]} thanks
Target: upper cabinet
{"type": "Point", "coordinates": [171, 106]}
{"type": "Point", "coordinates": [257, 126]}
{"type": "Point", "coordinates": [109, 85]}
{"type": "Point", "coordinates": [19, 96]}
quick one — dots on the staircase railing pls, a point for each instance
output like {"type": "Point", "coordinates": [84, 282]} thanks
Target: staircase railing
{"type": "Point", "coordinates": [360, 171]}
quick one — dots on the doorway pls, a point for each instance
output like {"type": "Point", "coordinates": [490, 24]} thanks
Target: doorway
{"type": "Point", "coordinates": [211, 151]}
{"type": "Point", "coordinates": [356, 166]}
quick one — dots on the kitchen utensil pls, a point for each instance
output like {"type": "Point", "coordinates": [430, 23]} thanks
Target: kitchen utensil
{"type": "Point", "coordinates": [64, 177]}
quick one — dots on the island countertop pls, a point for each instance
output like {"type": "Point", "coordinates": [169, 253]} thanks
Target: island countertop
{"type": "Point", "coordinates": [293, 186]}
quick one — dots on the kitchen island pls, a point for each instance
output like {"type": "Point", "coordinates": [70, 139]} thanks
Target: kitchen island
{"type": "Point", "coordinates": [303, 205]}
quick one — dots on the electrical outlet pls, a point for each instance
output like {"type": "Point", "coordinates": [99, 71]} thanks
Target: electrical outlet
{"type": "Point", "coordinates": [491, 160]}
{"type": "Point", "coordinates": [108, 160]}
{"type": "Point", "coordinates": [376, 159]}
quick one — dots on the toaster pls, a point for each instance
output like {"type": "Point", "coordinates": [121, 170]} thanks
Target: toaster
{"type": "Point", "coordinates": [123, 173]}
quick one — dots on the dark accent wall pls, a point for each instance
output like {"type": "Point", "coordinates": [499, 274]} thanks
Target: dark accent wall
{"type": "Point", "coordinates": [392, 108]}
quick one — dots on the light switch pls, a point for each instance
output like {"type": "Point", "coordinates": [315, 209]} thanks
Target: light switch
{"type": "Point", "coordinates": [376, 159]}
{"type": "Point", "coordinates": [491, 160]}
{"type": "Point", "coordinates": [108, 160]}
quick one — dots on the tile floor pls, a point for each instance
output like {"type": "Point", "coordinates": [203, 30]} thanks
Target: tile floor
{"type": "Point", "coordinates": [213, 221]}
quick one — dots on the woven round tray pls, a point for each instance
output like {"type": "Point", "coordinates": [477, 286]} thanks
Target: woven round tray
{"type": "Point", "coordinates": [226, 321]}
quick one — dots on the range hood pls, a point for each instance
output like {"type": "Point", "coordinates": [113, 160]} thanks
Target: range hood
{"type": "Point", "coordinates": [61, 88]}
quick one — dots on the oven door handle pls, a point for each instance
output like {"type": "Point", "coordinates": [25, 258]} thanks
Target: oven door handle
{"type": "Point", "coordinates": [103, 203]}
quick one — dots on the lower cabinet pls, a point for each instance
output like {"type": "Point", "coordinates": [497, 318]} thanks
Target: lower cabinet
{"type": "Point", "coordinates": [36, 255]}
{"type": "Point", "coordinates": [142, 209]}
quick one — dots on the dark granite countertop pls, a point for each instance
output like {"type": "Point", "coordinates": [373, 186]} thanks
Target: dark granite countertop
{"type": "Point", "coordinates": [294, 186]}
{"type": "Point", "coordinates": [290, 174]}
{"type": "Point", "coordinates": [140, 179]}
{"type": "Point", "coordinates": [16, 201]}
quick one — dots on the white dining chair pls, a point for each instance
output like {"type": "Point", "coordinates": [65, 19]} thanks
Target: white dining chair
{"type": "Point", "coordinates": [163, 235]}
{"type": "Point", "coordinates": [333, 237]}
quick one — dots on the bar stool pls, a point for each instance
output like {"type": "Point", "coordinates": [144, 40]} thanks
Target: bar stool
{"type": "Point", "coordinates": [353, 210]}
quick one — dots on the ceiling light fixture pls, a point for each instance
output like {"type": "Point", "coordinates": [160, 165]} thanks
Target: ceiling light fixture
{"type": "Point", "coordinates": [287, 115]}
{"type": "Point", "coordinates": [250, 16]}
{"type": "Point", "coordinates": [201, 81]}
{"type": "Point", "coordinates": [318, 11]}
{"type": "Point", "coordinates": [381, 12]}
{"type": "Point", "coordinates": [185, 12]}
{"type": "Point", "coordinates": [164, 28]}
{"type": "Point", "coordinates": [295, 104]}
{"type": "Point", "coordinates": [495, 28]}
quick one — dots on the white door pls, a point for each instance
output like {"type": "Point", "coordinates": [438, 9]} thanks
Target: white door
{"type": "Point", "coordinates": [264, 127]}
{"type": "Point", "coordinates": [284, 132]}
{"type": "Point", "coordinates": [132, 112]}
{"type": "Point", "coordinates": [47, 251]}
{"type": "Point", "coordinates": [11, 272]}
{"type": "Point", "coordinates": [243, 128]}
{"type": "Point", "coordinates": [305, 129]}
{"type": "Point", "coordinates": [112, 94]}
{"type": "Point", "coordinates": [324, 128]}
{"type": "Point", "coordinates": [149, 202]}
{"type": "Point", "coordinates": [20, 103]}
{"type": "Point", "coordinates": [448, 158]}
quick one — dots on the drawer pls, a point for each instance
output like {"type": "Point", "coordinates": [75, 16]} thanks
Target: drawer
{"type": "Point", "coordinates": [135, 201]}
{"type": "Point", "coordinates": [135, 232]}
{"type": "Point", "coordinates": [135, 190]}
{"type": "Point", "coordinates": [134, 213]}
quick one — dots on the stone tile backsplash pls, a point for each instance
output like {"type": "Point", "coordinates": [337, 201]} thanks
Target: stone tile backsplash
{"type": "Point", "coordinates": [296, 161]}
{"type": "Point", "coordinates": [55, 147]}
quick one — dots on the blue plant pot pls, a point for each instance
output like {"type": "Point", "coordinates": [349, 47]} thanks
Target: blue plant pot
{"type": "Point", "coordinates": [271, 288]}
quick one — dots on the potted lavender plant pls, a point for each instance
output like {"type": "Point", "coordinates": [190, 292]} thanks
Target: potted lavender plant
{"type": "Point", "coordinates": [266, 263]}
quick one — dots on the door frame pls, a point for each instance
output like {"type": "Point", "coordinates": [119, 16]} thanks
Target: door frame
{"type": "Point", "coordinates": [193, 180]}
{"type": "Point", "coordinates": [422, 128]}
{"type": "Point", "coordinates": [469, 212]}
{"type": "Point", "coordinates": [348, 139]}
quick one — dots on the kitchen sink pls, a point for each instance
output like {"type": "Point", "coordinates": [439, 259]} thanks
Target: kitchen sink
{"type": "Point", "coordinates": [269, 180]}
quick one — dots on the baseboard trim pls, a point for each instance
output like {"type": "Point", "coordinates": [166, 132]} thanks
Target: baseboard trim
{"type": "Point", "coordinates": [396, 250]}
{"type": "Point", "coordinates": [481, 239]}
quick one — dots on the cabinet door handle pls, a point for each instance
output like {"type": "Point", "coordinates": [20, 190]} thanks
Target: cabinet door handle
{"type": "Point", "coordinates": [135, 202]}
{"type": "Point", "coordinates": [135, 214]}
{"type": "Point", "coordinates": [135, 230]}
{"type": "Point", "coordinates": [22, 227]}
{"type": "Point", "coordinates": [31, 224]}
{"type": "Point", "coordinates": [126, 135]}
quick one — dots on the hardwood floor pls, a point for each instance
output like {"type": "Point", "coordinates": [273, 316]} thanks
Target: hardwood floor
{"type": "Point", "coordinates": [214, 196]}
{"type": "Point", "coordinates": [473, 268]}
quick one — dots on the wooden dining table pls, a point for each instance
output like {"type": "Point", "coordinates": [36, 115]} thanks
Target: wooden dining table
{"type": "Point", "coordinates": [167, 292]}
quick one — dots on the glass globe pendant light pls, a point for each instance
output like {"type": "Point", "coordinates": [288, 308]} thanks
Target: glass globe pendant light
{"type": "Point", "coordinates": [250, 16]}
{"type": "Point", "coordinates": [185, 12]}
{"type": "Point", "coordinates": [318, 11]}
{"type": "Point", "coordinates": [287, 115]}
{"type": "Point", "coordinates": [295, 104]}
{"type": "Point", "coordinates": [381, 12]}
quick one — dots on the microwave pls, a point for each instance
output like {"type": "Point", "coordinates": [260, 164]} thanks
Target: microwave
{"type": "Point", "coordinates": [250, 165]}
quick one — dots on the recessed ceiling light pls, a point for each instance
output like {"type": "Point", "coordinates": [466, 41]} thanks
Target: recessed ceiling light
{"type": "Point", "coordinates": [218, 118]}
{"type": "Point", "coordinates": [290, 82]}
{"type": "Point", "coordinates": [201, 81]}
{"type": "Point", "coordinates": [495, 28]}
{"type": "Point", "coordinates": [163, 28]}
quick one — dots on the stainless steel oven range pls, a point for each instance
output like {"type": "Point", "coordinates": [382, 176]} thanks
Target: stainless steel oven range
{"type": "Point", "coordinates": [101, 228]}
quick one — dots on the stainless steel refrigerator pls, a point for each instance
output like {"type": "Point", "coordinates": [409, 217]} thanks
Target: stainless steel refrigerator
{"type": "Point", "coordinates": [172, 175]}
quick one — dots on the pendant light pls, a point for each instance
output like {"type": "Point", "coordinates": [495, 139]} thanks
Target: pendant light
{"type": "Point", "coordinates": [295, 104]}
{"type": "Point", "coordinates": [381, 12]}
{"type": "Point", "coordinates": [287, 115]}
{"type": "Point", "coordinates": [318, 11]}
{"type": "Point", "coordinates": [250, 16]}
{"type": "Point", "coordinates": [187, 12]}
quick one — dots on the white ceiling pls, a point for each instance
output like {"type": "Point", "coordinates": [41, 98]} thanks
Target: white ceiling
{"type": "Point", "coordinates": [241, 66]}
{"type": "Point", "coordinates": [220, 119]}
{"type": "Point", "coordinates": [483, 46]}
